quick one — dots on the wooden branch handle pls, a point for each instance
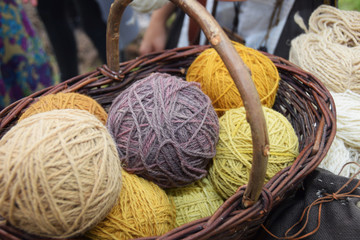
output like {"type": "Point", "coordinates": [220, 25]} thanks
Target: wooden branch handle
{"type": "Point", "coordinates": [237, 69]}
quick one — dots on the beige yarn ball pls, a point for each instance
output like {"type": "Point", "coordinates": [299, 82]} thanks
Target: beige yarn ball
{"type": "Point", "coordinates": [344, 24]}
{"type": "Point", "coordinates": [330, 48]}
{"type": "Point", "coordinates": [348, 117]}
{"type": "Point", "coordinates": [339, 155]}
{"type": "Point", "coordinates": [59, 173]}
{"type": "Point", "coordinates": [336, 66]}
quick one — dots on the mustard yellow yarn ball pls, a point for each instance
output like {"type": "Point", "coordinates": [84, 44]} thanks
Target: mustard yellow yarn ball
{"type": "Point", "coordinates": [195, 201]}
{"type": "Point", "coordinates": [232, 163]}
{"type": "Point", "coordinates": [209, 70]}
{"type": "Point", "coordinates": [60, 173]}
{"type": "Point", "coordinates": [143, 209]}
{"type": "Point", "coordinates": [66, 101]}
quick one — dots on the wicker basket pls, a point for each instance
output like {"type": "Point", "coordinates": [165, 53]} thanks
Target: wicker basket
{"type": "Point", "coordinates": [301, 98]}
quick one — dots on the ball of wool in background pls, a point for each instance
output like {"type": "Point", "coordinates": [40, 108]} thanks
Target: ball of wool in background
{"type": "Point", "coordinates": [165, 129]}
{"type": "Point", "coordinates": [336, 66]}
{"type": "Point", "coordinates": [344, 24]}
{"type": "Point", "coordinates": [66, 101]}
{"type": "Point", "coordinates": [195, 201]}
{"type": "Point", "coordinates": [330, 48]}
{"type": "Point", "coordinates": [143, 209]}
{"type": "Point", "coordinates": [348, 117]}
{"type": "Point", "coordinates": [232, 163]}
{"type": "Point", "coordinates": [339, 155]}
{"type": "Point", "coordinates": [145, 6]}
{"type": "Point", "coordinates": [59, 173]}
{"type": "Point", "coordinates": [209, 70]}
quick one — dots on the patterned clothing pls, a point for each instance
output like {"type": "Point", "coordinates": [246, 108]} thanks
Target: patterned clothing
{"type": "Point", "coordinates": [24, 65]}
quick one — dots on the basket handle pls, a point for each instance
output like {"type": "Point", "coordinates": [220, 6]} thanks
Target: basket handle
{"type": "Point", "coordinates": [238, 71]}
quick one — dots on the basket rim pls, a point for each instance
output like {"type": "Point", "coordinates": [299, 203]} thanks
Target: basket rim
{"type": "Point", "coordinates": [228, 215]}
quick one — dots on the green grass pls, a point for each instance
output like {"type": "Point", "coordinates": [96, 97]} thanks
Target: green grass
{"type": "Point", "coordinates": [349, 5]}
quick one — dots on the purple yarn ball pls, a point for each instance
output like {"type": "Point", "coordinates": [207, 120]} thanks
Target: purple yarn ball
{"type": "Point", "coordinates": [166, 130]}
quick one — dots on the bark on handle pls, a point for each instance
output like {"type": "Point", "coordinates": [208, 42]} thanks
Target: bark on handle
{"type": "Point", "coordinates": [237, 69]}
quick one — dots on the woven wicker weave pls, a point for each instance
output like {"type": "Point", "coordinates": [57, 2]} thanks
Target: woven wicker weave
{"type": "Point", "coordinates": [301, 97]}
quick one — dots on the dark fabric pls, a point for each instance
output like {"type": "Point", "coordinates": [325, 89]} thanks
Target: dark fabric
{"type": "Point", "coordinates": [175, 29]}
{"type": "Point", "coordinates": [59, 18]}
{"type": "Point", "coordinates": [194, 28]}
{"type": "Point", "coordinates": [291, 29]}
{"type": "Point", "coordinates": [340, 219]}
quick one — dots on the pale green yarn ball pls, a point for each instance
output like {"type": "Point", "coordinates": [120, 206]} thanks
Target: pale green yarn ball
{"type": "Point", "coordinates": [233, 160]}
{"type": "Point", "coordinates": [195, 201]}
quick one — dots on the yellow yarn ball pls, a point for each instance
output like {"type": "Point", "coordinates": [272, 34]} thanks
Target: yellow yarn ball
{"type": "Point", "coordinates": [209, 70]}
{"type": "Point", "coordinates": [143, 209]}
{"type": "Point", "coordinates": [60, 173]}
{"type": "Point", "coordinates": [195, 201]}
{"type": "Point", "coordinates": [232, 163]}
{"type": "Point", "coordinates": [66, 101]}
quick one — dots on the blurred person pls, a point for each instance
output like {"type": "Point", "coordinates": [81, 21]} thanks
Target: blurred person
{"type": "Point", "coordinates": [129, 25]}
{"type": "Point", "coordinates": [24, 65]}
{"type": "Point", "coordinates": [60, 20]}
{"type": "Point", "coordinates": [267, 25]}
{"type": "Point", "coordinates": [62, 17]}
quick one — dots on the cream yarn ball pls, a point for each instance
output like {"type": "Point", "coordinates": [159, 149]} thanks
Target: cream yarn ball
{"type": "Point", "coordinates": [145, 6]}
{"type": "Point", "coordinates": [330, 48]}
{"type": "Point", "coordinates": [335, 65]}
{"type": "Point", "coordinates": [344, 24]}
{"type": "Point", "coordinates": [348, 117]}
{"type": "Point", "coordinates": [339, 155]}
{"type": "Point", "coordinates": [60, 173]}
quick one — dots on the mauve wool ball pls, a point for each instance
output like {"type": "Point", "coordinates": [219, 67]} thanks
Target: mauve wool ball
{"type": "Point", "coordinates": [165, 129]}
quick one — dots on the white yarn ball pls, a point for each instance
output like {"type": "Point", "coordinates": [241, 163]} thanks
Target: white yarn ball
{"type": "Point", "coordinates": [344, 24]}
{"type": "Point", "coordinates": [337, 156]}
{"type": "Point", "coordinates": [355, 157]}
{"type": "Point", "coordinates": [348, 117]}
{"type": "Point", "coordinates": [330, 48]}
{"type": "Point", "coordinates": [145, 6]}
{"type": "Point", "coordinates": [336, 65]}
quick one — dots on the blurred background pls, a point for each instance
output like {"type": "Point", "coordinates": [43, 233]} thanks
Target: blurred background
{"type": "Point", "coordinates": [87, 54]}
{"type": "Point", "coordinates": [349, 5]}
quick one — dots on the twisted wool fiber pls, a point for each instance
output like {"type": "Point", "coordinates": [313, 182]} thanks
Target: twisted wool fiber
{"type": "Point", "coordinates": [59, 173]}
{"type": "Point", "coordinates": [143, 210]}
{"type": "Point", "coordinates": [337, 156]}
{"type": "Point", "coordinates": [344, 24]}
{"type": "Point", "coordinates": [348, 118]}
{"type": "Point", "coordinates": [232, 163]}
{"type": "Point", "coordinates": [209, 70]}
{"type": "Point", "coordinates": [66, 101]}
{"type": "Point", "coordinates": [337, 66]}
{"type": "Point", "coordinates": [330, 49]}
{"type": "Point", "coordinates": [148, 5]}
{"type": "Point", "coordinates": [195, 201]}
{"type": "Point", "coordinates": [165, 129]}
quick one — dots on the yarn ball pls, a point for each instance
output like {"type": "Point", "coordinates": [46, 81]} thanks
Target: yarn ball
{"type": "Point", "coordinates": [195, 201]}
{"type": "Point", "coordinates": [348, 118]}
{"type": "Point", "coordinates": [165, 129]}
{"type": "Point", "coordinates": [232, 163]}
{"type": "Point", "coordinates": [339, 155]}
{"type": "Point", "coordinates": [145, 6]}
{"type": "Point", "coordinates": [329, 49]}
{"type": "Point", "coordinates": [336, 66]}
{"type": "Point", "coordinates": [143, 209]}
{"type": "Point", "coordinates": [209, 70]}
{"type": "Point", "coordinates": [344, 24]}
{"type": "Point", "coordinates": [59, 173]}
{"type": "Point", "coordinates": [66, 101]}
